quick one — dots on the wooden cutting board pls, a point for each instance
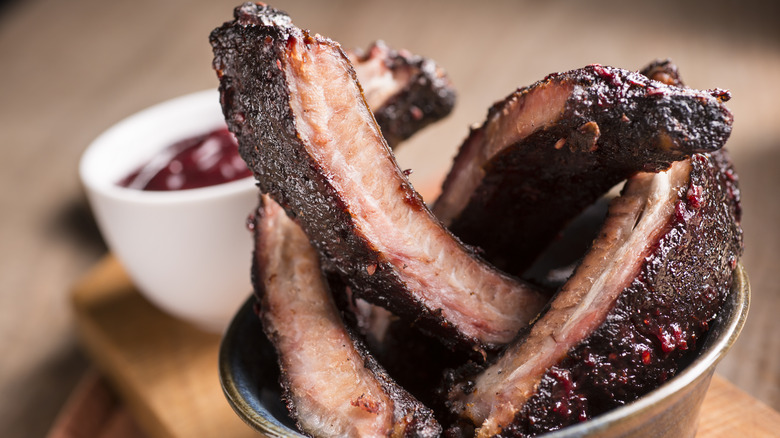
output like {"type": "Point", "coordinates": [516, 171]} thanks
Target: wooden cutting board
{"type": "Point", "coordinates": [165, 371]}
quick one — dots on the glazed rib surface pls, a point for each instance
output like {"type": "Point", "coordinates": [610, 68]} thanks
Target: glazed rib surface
{"type": "Point", "coordinates": [332, 386]}
{"type": "Point", "coordinates": [549, 150]}
{"type": "Point", "coordinates": [641, 298]}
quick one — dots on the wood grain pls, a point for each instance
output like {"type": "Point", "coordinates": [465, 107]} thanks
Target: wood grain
{"type": "Point", "coordinates": [729, 412]}
{"type": "Point", "coordinates": [163, 368]}
{"type": "Point", "coordinates": [94, 411]}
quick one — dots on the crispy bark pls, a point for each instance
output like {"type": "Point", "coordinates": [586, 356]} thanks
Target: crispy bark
{"type": "Point", "coordinates": [644, 294]}
{"type": "Point", "coordinates": [549, 150]}
{"type": "Point", "coordinates": [407, 92]}
{"type": "Point", "coordinates": [304, 128]}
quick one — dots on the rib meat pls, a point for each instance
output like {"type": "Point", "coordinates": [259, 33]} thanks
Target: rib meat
{"type": "Point", "coordinates": [557, 262]}
{"type": "Point", "coordinates": [331, 385]}
{"type": "Point", "coordinates": [407, 92]}
{"type": "Point", "coordinates": [641, 298]}
{"type": "Point", "coordinates": [304, 128]}
{"type": "Point", "coordinates": [549, 150]}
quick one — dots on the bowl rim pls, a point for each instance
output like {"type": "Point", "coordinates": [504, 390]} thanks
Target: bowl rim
{"type": "Point", "coordinates": [144, 120]}
{"type": "Point", "coordinates": [698, 367]}
{"type": "Point", "coordinates": [726, 336]}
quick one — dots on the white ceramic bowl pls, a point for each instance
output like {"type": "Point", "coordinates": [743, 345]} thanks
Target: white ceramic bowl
{"type": "Point", "coordinates": [187, 251]}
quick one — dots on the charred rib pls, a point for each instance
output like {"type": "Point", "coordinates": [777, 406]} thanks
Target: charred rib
{"type": "Point", "coordinates": [304, 128]}
{"type": "Point", "coordinates": [407, 92]}
{"type": "Point", "coordinates": [642, 296]}
{"type": "Point", "coordinates": [331, 385]}
{"type": "Point", "coordinates": [549, 150]}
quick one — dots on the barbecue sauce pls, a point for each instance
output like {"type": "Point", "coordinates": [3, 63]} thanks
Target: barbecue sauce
{"type": "Point", "coordinates": [200, 161]}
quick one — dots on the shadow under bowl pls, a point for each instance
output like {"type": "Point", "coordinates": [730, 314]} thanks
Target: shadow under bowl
{"type": "Point", "coordinates": [249, 376]}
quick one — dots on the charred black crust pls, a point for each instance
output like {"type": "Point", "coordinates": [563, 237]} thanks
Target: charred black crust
{"type": "Point", "coordinates": [616, 124]}
{"type": "Point", "coordinates": [428, 97]}
{"type": "Point", "coordinates": [658, 320]}
{"type": "Point", "coordinates": [255, 102]}
{"type": "Point", "coordinates": [419, 364]}
{"type": "Point", "coordinates": [248, 53]}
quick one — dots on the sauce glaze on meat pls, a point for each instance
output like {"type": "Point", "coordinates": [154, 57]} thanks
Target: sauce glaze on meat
{"type": "Point", "coordinates": [641, 298]}
{"type": "Point", "coordinates": [549, 150]}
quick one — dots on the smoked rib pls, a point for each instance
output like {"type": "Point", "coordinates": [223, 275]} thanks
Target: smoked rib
{"type": "Point", "coordinates": [304, 128]}
{"type": "Point", "coordinates": [549, 150]}
{"type": "Point", "coordinates": [406, 92]}
{"type": "Point", "coordinates": [642, 297]}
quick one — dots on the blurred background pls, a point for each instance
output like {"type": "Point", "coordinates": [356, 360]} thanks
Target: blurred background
{"type": "Point", "coordinates": [70, 69]}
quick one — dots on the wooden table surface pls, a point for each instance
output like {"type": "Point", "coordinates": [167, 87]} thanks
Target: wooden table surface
{"type": "Point", "coordinates": [70, 69]}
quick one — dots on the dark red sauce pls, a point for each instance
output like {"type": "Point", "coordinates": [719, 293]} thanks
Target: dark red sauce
{"type": "Point", "coordinates": [200, 161]}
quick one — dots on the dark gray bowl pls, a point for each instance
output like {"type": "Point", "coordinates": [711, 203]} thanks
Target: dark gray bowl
{"type": "Point", "coordinates": [248, 372]}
